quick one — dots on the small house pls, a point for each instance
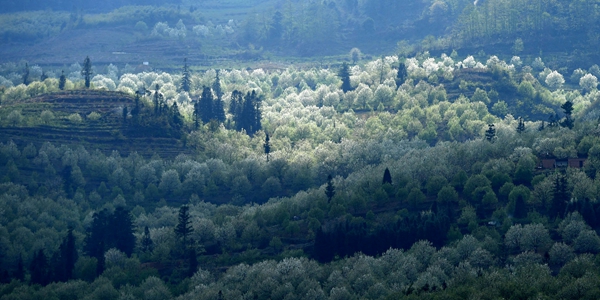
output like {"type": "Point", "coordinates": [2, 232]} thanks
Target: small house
{"type": "Point", "coordinates": [551, 163]}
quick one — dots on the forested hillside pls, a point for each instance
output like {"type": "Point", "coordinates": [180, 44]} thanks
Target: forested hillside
{"type": "Point", "coordinates": [398, 177]}
{"type": "Point", "coordinates": [227, 33]}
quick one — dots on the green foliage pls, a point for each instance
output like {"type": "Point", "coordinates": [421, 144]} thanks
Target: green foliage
{"type": "Point", "coordinates": [246, 211]}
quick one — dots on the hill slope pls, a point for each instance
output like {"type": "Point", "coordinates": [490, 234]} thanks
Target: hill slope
{"type": "Point", "coordinates": [105, 131]}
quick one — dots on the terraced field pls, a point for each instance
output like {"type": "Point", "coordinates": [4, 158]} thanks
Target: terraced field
{"type": "Point", "coordinates": [107, 133]}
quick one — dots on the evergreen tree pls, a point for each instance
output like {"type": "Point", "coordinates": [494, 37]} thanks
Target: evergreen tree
{"type": "Point", "coordinates": [521, 126]}
{"type": "Point", "coordinates": [40, 269]}
{"type": "Point", "coordinates": [568, 110]}
{"type": "Point", "coordinates": [344, 74]}
{"type": "Point", "coordinates": [490, 133]}
{"type": "Point", "coordinates": [96, 235]}
{"type": "Point", "coordinates": [237, 98]}
{"type": "Point", "coordinates": [62, 81]}
{"type": "Point", "coordinates": [186, 80]}
{"type": "Point", "coordinates": [184, 226]}
{"type": "Point", "coordinates": [560, 197]}
{"type": "Point", "coordinates": [147, 243]}
{"type": "Point", "coordinates": [401, 75]}
{"type": "Point", "coordinates": [329, 189]}
{"type": "Point", "coordinates": [121, 228]}
{"type": "Point", "coordinates": [67, 258]}
{"type": "Point", "coordinates": [217, 86]}
{"type": "Point", "coordinates": [176, 118]}
{"type": "Point", "coordinates": [157, 100]}
{"type": "Point", "coordinates": [44, 76]}
{"type": "Point", "coordinates": [205, 106]}
{"type": "Point", "coordinates": [86, 71]}
{"type": "Point", "coordinates": [26, 80]}
{"type": "Point", "coordinates": [218, 108]}
{"type": "Point", "coordinates": [135, 112]}
{"type": "Point", "coordinates": [109, 231]}
{"type": "Point", "coordinates": [267, 146]}
{"type": "Point", "coordinates": [218, 111]}
{"type": "Point", "coordinates": [387, 177]}
{"type": "Point", "coordinates": [248, 115]}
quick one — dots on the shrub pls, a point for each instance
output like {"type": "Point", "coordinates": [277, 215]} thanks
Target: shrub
{"type": "Point", "coordinates": [94, 116]}
{"type": "Point", "coordinates": [47, 116]}
{"type": "Point", "coordinates": [75, 118]}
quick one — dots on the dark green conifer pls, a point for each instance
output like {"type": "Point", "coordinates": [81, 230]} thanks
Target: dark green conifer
{"type": "Point", "coordinates": [176, 118]}
{"type": "Point", "coordinates": [121, 228]}
{"type": "Point", "coordinates": [40, 269]}
{"type": "Point", "coordinates": [267, 146]}
{"type": "Point", "coordinates": [184, 226]}
{"type": "Point", "coordinates": [521, 126]}
{"type": "Point", "coordinates": [186, 80]}
{"type": "Point", "coordinates": [401, 75]}
{"type": "Point", "coordinates": [62, 81]}
{"type": "Point", "coordinates": [568, 110]}
{"type": "Point", "coordinates": [205, 106]}
{"type": "Point", "coordinates": [86, 71]}
{"type": "Point", "coordinates": [329, 189]}
{"type": "Point", "coordinates": [490, 133]}
{"type": "Point", "coordinates": [147, 243]}
{"type": "Point", "coordinates": [345, 76]}
{"type": "Point", "coordinates": [387, 177]}
{"type": "Point", "coordinates": [26, 75]}
{"type": "Point", "coordinates": [560, 197]}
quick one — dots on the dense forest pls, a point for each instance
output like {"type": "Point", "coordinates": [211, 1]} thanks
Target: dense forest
{"type": "Point", "coordinates": [417, 177]}
{"type": "Point", "coordinates": [266, 149]}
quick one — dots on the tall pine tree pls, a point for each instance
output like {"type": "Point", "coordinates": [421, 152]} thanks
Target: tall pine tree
{"type": "Point", "coordinates": [184, 226]}
{"type": "Point", "coordinates": [560, 197]}
{"type": "Point", "coordinates": [329, 189]}
{"type": "Point", "coordinates": [62, 81]}
{"type": "Point", "coordinates": [387, 177]}
{"type": "Point", "coordinates": [26, 79]}
{"type": "Point", "coordinates": [122, 229]}
{"type": "Point", "coordinates": [204, 109]}
{"type": "Point", "coordinates": [157, 99]}
{"type": "Point", "coordinates": [40, 269]}
{"type": "Point", "coordinates": [186, 80]}
{"type": "Point", "coordinates": [490, 133]}
{"type": "Point", "coordinates": [67, 258]}
{"type": "Point", "coordinates": [267, 146]}
{"type": "Point", "coordinates": [86, 71]}
{"type": "Point", "coordinates": [109, 231]}
{"type": "Point", "coordinates": [521, 126]}
{"type": "Point", "coordinates": [218, 108]}
{"type": "Point", "coordinates": [147, 243]}
{"type": "Point", "coordinates": [344, 74]}
{"type": "Point", "coordinates": [568, 110]}
{"type": "Point", "coordinates": [401, 75]}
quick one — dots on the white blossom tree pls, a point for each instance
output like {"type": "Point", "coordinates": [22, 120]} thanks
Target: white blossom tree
{"type": "Point", "coordinates": [554, 80]}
